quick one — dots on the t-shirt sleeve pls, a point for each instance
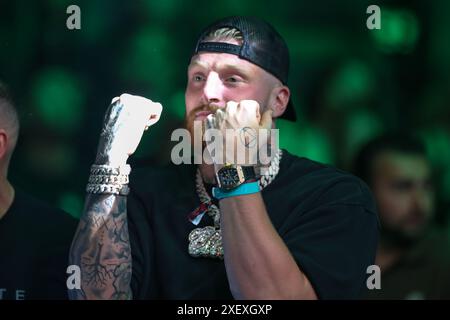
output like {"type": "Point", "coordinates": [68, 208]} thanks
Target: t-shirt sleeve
{"type": "Point", "coordinates": [335, 239]}
{"type": "Point", "coordinates": [143, 281]}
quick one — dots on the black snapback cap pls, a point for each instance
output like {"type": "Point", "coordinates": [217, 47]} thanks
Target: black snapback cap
{"type": "Point", "coordinates": [262, 45]}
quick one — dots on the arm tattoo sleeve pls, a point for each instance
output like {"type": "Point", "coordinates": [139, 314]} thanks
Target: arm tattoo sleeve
{"type": "Point", "coordinates": [101, 249]}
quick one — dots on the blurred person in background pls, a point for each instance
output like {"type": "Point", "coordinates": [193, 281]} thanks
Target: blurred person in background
{"type": "Point", "coordinates": [413, 253]}
{"type": "Point", "coordinates": [34, 237]}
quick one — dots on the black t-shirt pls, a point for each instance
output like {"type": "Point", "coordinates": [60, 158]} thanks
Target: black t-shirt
{"type": "Point", "coordinates": [34, 249]}
{"type": "Point", "coordinates": [423, 272]}
{"type": "Point", "coordinates": [325, 216]}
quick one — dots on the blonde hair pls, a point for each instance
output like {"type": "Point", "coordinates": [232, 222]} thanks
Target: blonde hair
{"type": "Point", "coordinates": [224, 35]}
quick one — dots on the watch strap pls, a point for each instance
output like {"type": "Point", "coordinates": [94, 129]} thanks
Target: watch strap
{"type": "Point", "coordinates": [249, 172]}
{"type": "Point", "coordinates": [245, 188]}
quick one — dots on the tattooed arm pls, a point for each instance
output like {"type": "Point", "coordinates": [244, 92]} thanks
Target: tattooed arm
{"type": "Point", "coordinates": [101, 246]}
{"type": "Point", "coordinates": [101, 249]}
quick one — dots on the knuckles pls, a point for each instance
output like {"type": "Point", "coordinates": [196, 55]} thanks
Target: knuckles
{"type": "Point", "coordinates": [138, 108]}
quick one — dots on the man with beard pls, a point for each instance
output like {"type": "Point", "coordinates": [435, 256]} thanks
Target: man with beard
{"type": "Point", "coordinates": [295, 229]}
{"type": "Point", "coordinates": [412, 255]}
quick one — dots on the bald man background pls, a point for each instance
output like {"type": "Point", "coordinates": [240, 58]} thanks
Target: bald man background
{"type": "Point", "coordinates": [34, 237]}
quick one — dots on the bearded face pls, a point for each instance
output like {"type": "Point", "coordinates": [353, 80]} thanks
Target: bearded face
{"type": "Point", "coordinates": [405, 197]}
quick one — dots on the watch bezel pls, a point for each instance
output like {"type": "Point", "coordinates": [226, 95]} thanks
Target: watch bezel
{"type": "Point", "coordinates": [230, 167]}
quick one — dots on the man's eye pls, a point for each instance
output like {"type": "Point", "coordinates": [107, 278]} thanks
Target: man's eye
{"type": "Point", "coordinates": [197, 78]}
{"type": "Point", "coordinates": [402, 185]}
{"type": "Point", "coordinates": [233, 79]}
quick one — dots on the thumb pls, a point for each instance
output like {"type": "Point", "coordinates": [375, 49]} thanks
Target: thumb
{"type": "Point", "coordinates": [266, 119]}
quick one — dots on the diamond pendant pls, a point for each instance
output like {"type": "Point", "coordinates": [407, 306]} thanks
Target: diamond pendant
{"type": "Point", "coordinates": [206, 242]}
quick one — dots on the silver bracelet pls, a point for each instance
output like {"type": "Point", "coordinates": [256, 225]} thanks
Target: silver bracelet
{"type": "Point", "coordinates": [102, 169]}
{"type": "Point", "coordinates": [108, 179]}
{"type": "Point", "coordinates": [107, 189]}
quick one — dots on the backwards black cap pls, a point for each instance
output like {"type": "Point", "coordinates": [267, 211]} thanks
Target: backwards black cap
{"type": "Point", "coordinates": [262, 45]}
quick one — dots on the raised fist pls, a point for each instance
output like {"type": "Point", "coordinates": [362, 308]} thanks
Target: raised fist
{"type": "Point", "coordinates": [125, 121]}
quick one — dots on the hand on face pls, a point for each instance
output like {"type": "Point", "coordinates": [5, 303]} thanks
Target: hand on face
{"type": "Point", "coordinates": [125, 121]}
{"type": "Point", "coordinates": [242, 131]}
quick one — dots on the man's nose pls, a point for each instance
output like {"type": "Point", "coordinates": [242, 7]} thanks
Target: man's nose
{"type": "Point", "coordinates": [422, 200]}
{"type": "Point", "coordinates": [212, 91]}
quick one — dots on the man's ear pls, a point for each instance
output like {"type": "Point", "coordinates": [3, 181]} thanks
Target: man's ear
{"type": "Point", "coordinates": [3, 143]}
{"type": "Point", "coordinates": [280, 100]}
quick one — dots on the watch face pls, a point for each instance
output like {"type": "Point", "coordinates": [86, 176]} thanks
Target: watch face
{"type": "Point", "coordinates": [228, 178]}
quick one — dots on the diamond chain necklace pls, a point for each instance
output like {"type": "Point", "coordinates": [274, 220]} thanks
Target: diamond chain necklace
{"type": "Point", "coordinates": [207, 242]}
